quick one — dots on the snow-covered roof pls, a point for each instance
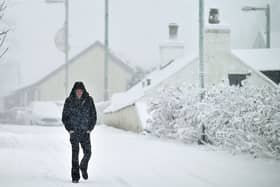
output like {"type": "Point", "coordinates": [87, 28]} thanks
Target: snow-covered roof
{"type": "Point", "coordinates": [260, 59]}
{"type": "Point", "coordinates": [221, 27]}
{"type": "Point", "coordinates": [171, 43]}
{"type": "Point", "coordinates": [124, 99]}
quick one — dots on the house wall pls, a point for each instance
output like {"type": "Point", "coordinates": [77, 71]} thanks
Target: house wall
{"type": "Point", "coordinates": [126, 118]}
{"type": "Point", "coordinates": [188, 75]}
{"type": "Point", "coordinates": [100, 107]}
{"type": "Point", "coordinates": [89, 69]}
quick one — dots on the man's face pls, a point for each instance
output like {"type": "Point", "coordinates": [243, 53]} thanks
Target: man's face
{"type": "Point", "coordinates": [79, 93]}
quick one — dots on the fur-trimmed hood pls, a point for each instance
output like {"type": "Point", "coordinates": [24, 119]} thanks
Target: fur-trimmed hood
{"type": "Point", "coordinates": [79, 85]}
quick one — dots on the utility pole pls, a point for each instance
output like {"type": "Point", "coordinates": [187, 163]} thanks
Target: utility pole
{"type": "Point", "coordinates": [66, 46]}
{"type": "Point", "coordinates": [106, 58]}
{"type": "Point", "coordinates": [267, 13]}
{"type": "Point", "coordinates": [201, 47]}
{"type": "Point", "coordinates": [203, 138]}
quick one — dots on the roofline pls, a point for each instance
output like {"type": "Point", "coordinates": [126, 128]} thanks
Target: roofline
{"type": "Point", "coordinates": [145, 91]}
{"type": "Point", "coordinates": [95, 44]}
{"type": "Point", "coordinates": [193, 60]}
{"type": "Point", "coordinates": [236, 51]}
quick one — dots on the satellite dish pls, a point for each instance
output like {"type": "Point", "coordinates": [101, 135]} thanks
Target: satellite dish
{"type": "Point", "coordinates": [60, 40]}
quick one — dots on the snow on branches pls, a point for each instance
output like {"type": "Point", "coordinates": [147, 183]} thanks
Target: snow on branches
{"type": "Point", "coordinates": [3, 32]}
{"type": "Point", "coordinates": [239, 119]}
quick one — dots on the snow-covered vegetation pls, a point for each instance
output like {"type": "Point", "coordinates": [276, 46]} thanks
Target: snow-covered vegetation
{"type": "Point", "coordinates": [3, 29]}
{"type": "Point", "coordinates": [238, 119]}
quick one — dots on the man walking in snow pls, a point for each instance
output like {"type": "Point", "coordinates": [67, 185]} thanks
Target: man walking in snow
{"type": "Point", "coordinates": [79, 119]}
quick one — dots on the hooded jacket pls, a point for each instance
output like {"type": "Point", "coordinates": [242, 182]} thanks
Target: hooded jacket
{"type": "Point", "coordinates": [79, 114]}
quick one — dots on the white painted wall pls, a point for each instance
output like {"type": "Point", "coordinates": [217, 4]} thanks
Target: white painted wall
{"type": "Point", "coordinates": [126, 118]}
{"type": "Point", "coordinates": [100, 107]}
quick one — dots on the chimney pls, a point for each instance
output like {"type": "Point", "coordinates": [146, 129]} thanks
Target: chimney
{"type": "Point", "coordinates": [171, 49]}
{"type": "Point", "coordinates": [173, 31]}
{"type": "Point", "coordinates": [213, 16]}
{"type": "Point", "coordinates": [217, 34]}
{"type": "Point", "coordinates": [216, 47]}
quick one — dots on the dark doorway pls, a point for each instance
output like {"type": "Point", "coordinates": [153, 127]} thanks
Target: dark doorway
{"type": "Point", "coordinates": [273, 75]}
{"type": "Point", "coordinates": [236, 79]}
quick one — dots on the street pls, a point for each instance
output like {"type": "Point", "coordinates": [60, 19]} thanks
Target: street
{"type": "Point", "coordinates": [41, 156]}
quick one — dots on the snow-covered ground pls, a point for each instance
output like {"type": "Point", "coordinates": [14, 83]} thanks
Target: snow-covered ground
{"type": "Point", "coordinates": [41, 156]}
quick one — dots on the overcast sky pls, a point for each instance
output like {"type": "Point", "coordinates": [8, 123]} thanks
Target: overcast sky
{"type": "Point", "coordinates": [137, 27]}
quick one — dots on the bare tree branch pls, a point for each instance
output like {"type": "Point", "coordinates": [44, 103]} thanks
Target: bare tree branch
{"type": "Point", "coordinates": [4, 32]}
{"type": "Point", "coordinates": [3, 6]}
{"type": "Point", "coordinates": [4, 52]}
{"type": "Point", "coordinates": [3, 40]}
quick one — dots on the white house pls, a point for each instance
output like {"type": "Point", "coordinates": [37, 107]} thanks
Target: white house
{"type": "Point", "coordinates": [87, 66]}
{"type": "Point", "coordinates": [222, 64]}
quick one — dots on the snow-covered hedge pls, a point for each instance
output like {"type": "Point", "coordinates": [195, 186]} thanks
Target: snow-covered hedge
{"type": "Point", "coordinates": [245, 119]}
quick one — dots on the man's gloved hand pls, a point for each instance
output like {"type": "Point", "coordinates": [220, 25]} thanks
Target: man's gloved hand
{"type": "Point", "coordinates": [88, 131]}
{"type": "Point", "coordinates": [70, 132]}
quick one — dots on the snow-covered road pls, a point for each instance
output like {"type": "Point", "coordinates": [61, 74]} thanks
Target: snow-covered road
{"type": "Point", "coordinates": [40, 156]}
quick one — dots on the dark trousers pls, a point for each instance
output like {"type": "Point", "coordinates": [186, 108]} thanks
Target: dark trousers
{"type": "Point", "coordinates": [83, 138]}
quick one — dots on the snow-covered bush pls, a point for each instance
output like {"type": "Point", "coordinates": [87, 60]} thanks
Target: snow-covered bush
{"type": "Point", "coordinates": [239, 119]}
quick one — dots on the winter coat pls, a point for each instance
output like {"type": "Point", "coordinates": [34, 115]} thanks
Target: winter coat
{"type": "Point", "coordinates": [79, 114]}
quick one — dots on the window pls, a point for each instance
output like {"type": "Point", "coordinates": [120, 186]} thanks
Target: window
{"type": "Point", "coordinates": [273, 75]}
{"type": "Point", "coordinates": [236, 79]}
